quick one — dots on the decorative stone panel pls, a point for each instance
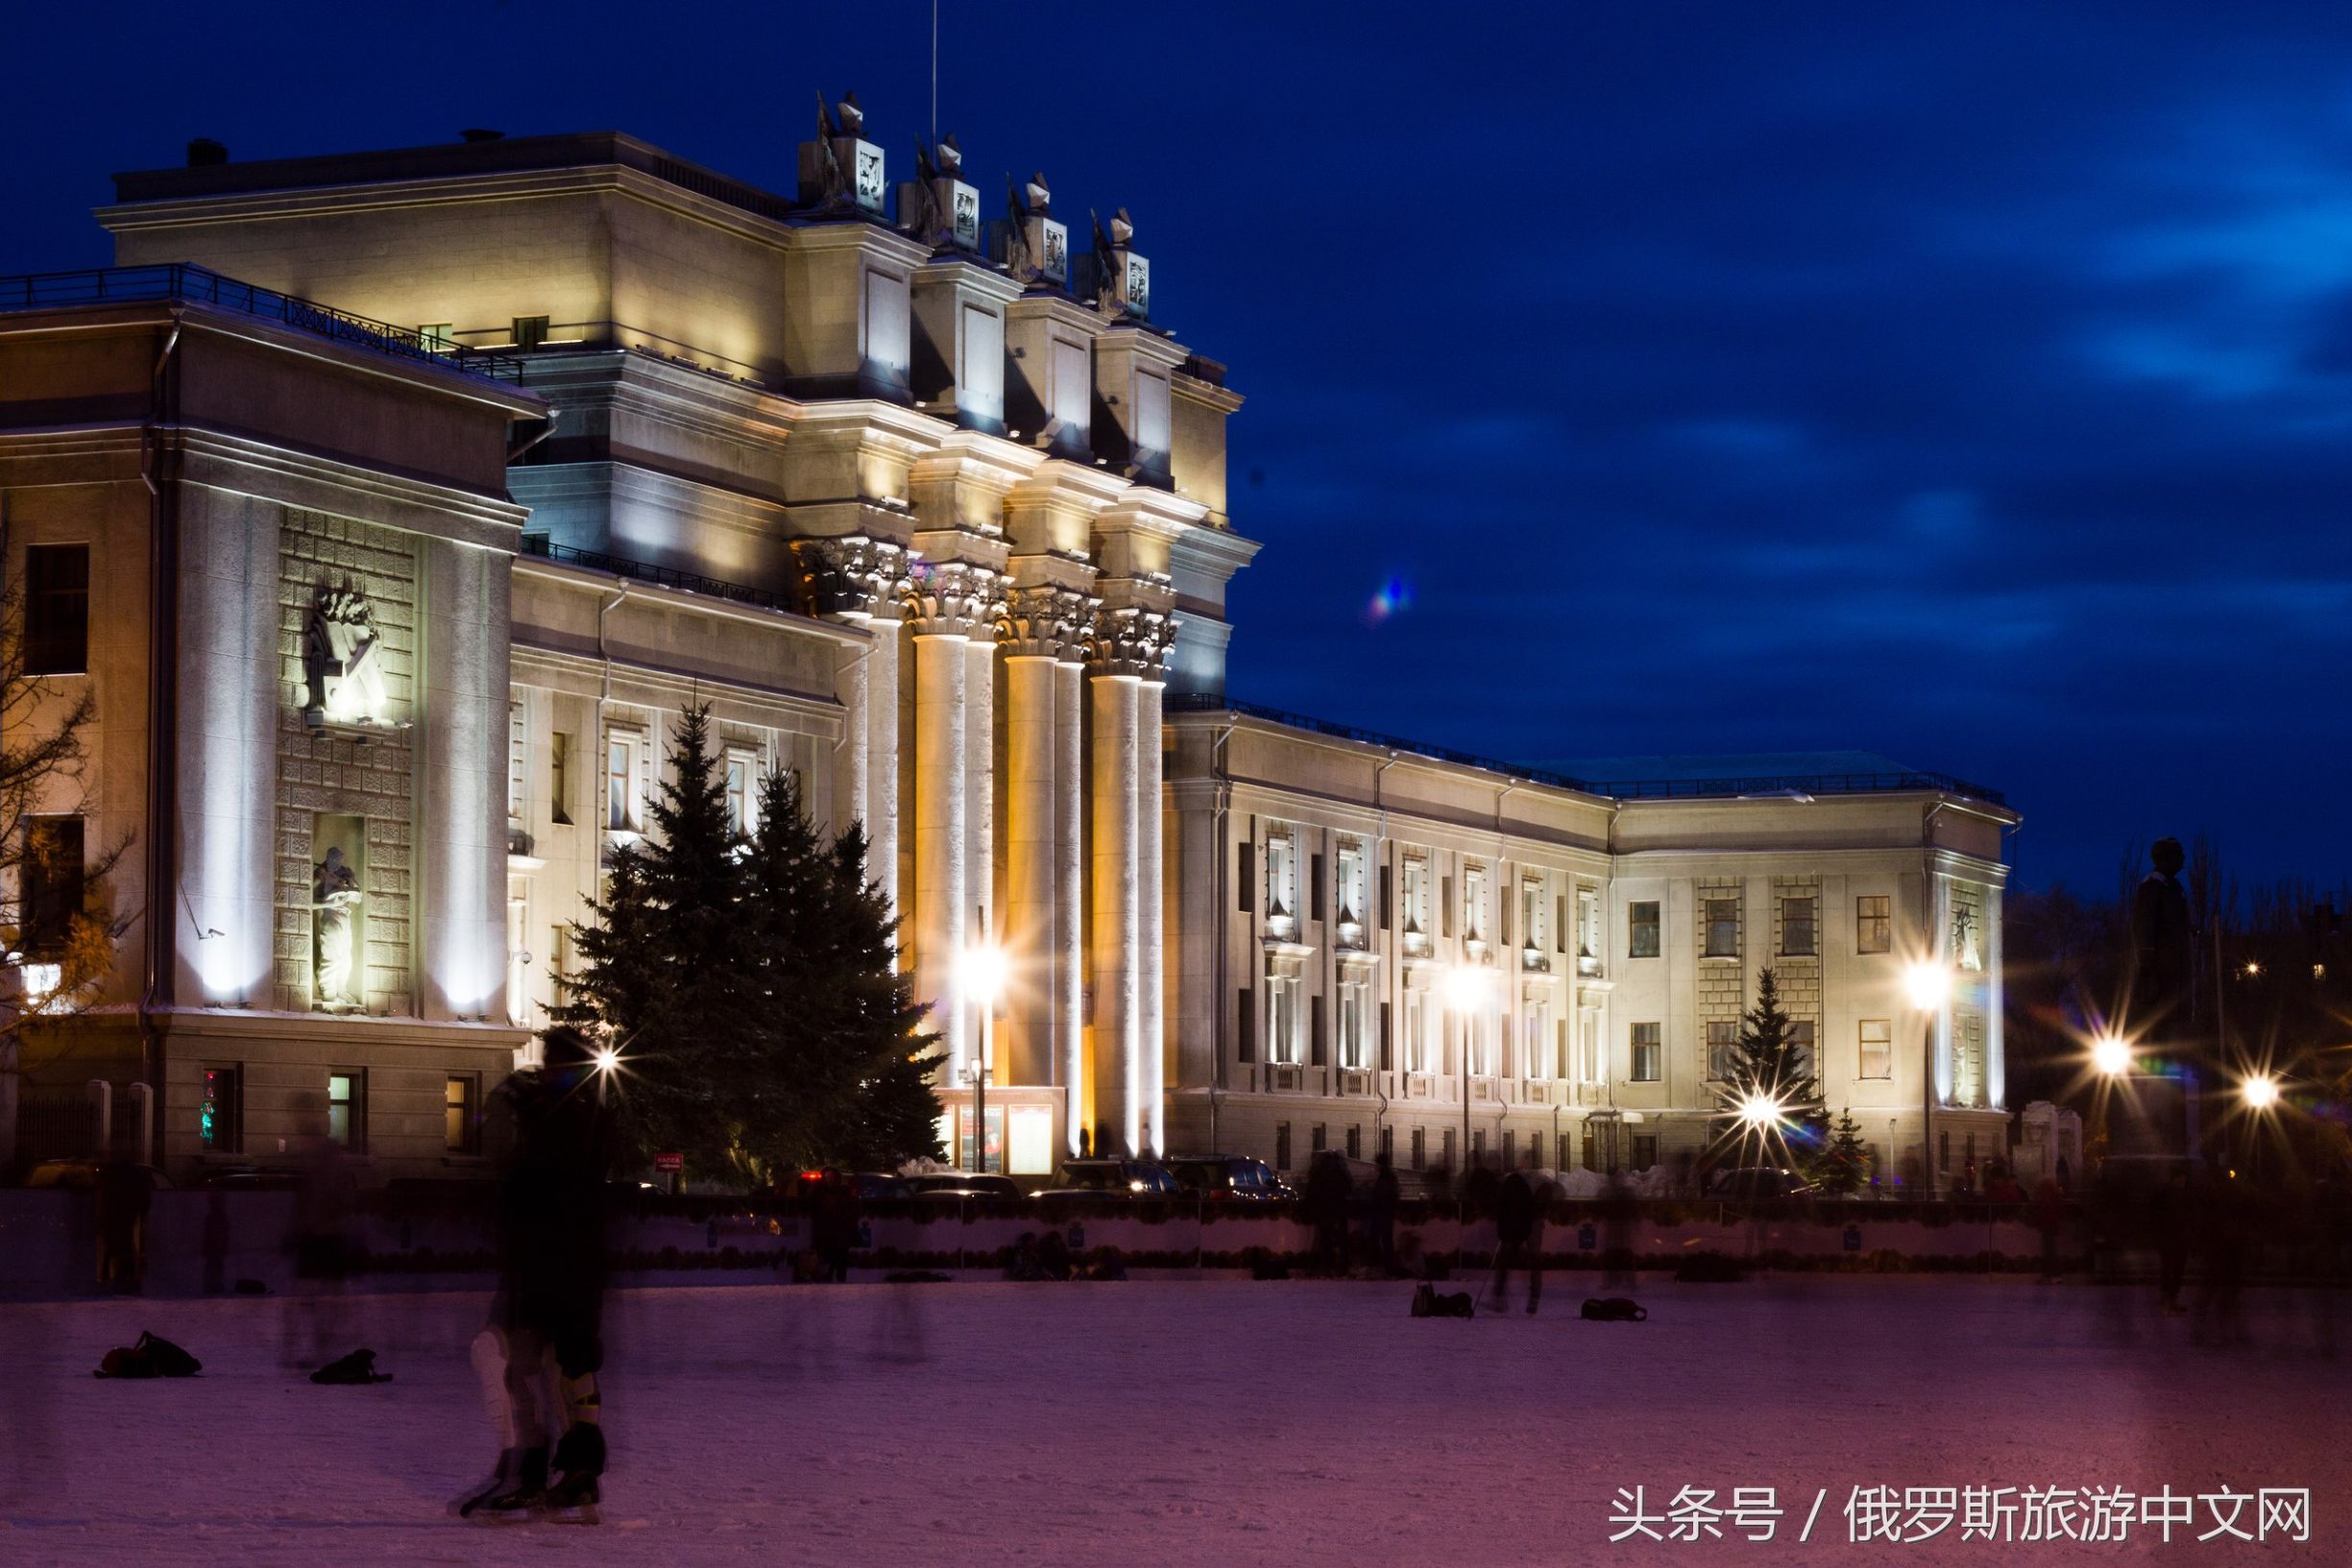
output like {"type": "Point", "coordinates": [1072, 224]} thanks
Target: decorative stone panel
{"type": "Point", "coordinates": [335, 772]}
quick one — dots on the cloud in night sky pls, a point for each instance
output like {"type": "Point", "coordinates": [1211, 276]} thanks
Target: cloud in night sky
{"type": "Point", "coordinates": [1971, 387]}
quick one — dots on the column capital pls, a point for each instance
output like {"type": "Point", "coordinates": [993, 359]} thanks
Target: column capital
{"type": "Point", "coordinates": [1040, 620]}
{"type": "Point", "coordinates": [852, 577]}
{"type": "Point", "coordinates": [1131, 639]}
{"type": "Point", "coordinates": [951, 598]}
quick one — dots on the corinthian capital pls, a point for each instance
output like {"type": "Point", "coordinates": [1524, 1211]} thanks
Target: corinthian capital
{"type": "Point", "coordinates": [1043, 621]}
{"type": "Point", "coordinates": [951, 598]}
{"type": "Point", "coordinates": [854, 576]}
{"type": "Point", "coordinates": [1132, 641]}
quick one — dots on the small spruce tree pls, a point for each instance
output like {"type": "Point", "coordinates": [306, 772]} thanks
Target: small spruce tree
{"type": "Point", "coordinates": [1767, 1059]}
{"type": "Point", "coordinates": [1846, 1163]}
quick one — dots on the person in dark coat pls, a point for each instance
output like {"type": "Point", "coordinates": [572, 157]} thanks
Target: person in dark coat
{"type": "Point", "coordinates": [126, 1191]}
{"type": "Point", "coordinates": [1380, 1215]}
{"type": "Point", "coordinates": [553, 1211]}
{"type": "Point", "coordinates": [1518, 1209]}
{"type": "Point", "coordinates": [2170, 1212]}
{"type": "Point", "coordinates": [1329, 1187]}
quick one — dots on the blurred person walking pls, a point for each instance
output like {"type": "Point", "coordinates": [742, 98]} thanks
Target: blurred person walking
{"type": "Point", "coordinates": [1518, 1237]}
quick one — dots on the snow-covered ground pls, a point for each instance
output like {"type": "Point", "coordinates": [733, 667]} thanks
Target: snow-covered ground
{"type": "Point", "coordinates": [1179, 1421]}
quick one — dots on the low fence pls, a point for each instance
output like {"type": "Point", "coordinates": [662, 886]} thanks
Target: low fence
{"type": "Point", "coordinates": [198, 1242]}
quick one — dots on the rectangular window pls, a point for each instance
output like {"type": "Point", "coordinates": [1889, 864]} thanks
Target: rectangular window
{"type": "Point", "coordinates": [1531, 915]}
{"type": "Point", "coordinates": [56, 608]}
{"type": "Point", "coordinates": [1511, 1150]}
{"type": "Point", "coordinates": [346, 1110]}
{"type": "Point", "coordinates": [1281, 878]}
{"type": "Point", "coordinates": [1722, 929]}
{"type": "Point", "coordinates": [1388, 899]}
{"type": "Point", "coordinates": [1874, 926]}
{"type": "Point", "coordinates": [1247, 884]}
{"type": "Point", "coordinates": [1878, 1050]}
{"type": "Point", "coordinates": [1351, 882]}
{"type": "Point", "coordinates": [1722, 1040]}
{"type": "Point", "coordinates": [1420, 1149]}
{"type": "Point", "coordinates": [1316, 907]}
{"type": "Point", "coordinates": [1282, 1146]}
{"type": "Point", "coordinates": [435, 337]}
{"type": "Point", "coordinates": [530, 331]}
{"type": "Point", "coordinates": [738, 794]}
{"type": "Point", "coordinates": [1474, 903]}
{"type": "Point", "coordinates": [1649, 1054]}
{"type": "Point", "coordinates": [620, 782]}
{"type": "Point", "coordinates": [1388, 1043]}
{"type": "Point", "coordinates": [1592, 1048]}
{"type": "Point", "coordinates": [1284, 1027]}
{"type": "Point", "coordinates": [559, 779]}
{"type": "Point", "coordinates": [559, 963]}
{"type": "Point", "coordinates": [1447, 1146]}
{"type": "Point", "coordinates": [1645, 1151]}
{"type": "Point", "coordinates": [459, 1133]}
{"type": "Point", "coordinates": [1561, 1159]}
{"type": "Point", "coordinates": [1801, 1040]}
{"type": "Point", "coordinates": [1642, 929]}
{"type": "Point", "coordinates": [1478, 1146]}
{"type": "Point", "coordinates": [1387, 1145]}
{"type": "Point", "coordinates": [220, 1112]}
{"type": "Point", "coordinates": [1417, 895]}
{"type": "Point", "coordinates": [1593, 1150]}
{"type": "Point", "coordinates": [1319, 1033]}
{"type": "Point", "coordinates": [1536, 1040]}
{"type": "Point", "coordinates": [518, 765]}
{"type": "Point", "coordinates": [1245, 1045]}
{"type": "Point", "coordinates": [1355, 1141]}
{"type": "Point", "coordinates": [51, 876]}
{"type": "Point", "coordinates": [1317, 1143]}
{"type": "Point", "coordinates": [1798, 937]}
{"type": "Point", "coordinates": [1416, 1033]}
{"type": "Point", "coordinates": [1355, 1000]}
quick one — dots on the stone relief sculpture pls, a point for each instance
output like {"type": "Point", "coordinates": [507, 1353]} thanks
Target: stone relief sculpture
{"type": "Point", "coordinates": [341, 656]}
{"type": "Point", "coordinates": [334, 909]}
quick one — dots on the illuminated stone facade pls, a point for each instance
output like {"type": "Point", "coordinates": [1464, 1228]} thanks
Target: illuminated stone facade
{"type": "Point", "coordinates": [934, 516]}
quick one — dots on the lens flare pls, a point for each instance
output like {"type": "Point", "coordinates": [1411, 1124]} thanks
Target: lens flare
{"type": "Point", "coordinates": [2111, 1054]}
{"type": "Point", "coordinates": [1392, 597]}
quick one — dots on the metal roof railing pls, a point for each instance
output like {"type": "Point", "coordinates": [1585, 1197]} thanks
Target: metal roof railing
{"type": "Point", "coordinates": [183, 280]}
{"type": "Point", "coordinates": [1693, 788]}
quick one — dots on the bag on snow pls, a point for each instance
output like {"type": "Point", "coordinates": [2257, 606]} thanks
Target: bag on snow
{"type": "Point", "coordinates": [1615, 1309]}
{"type": "Point", "coordinates": [1427, 1303]}
{"type": "Point", "coordinates": [358, 1367]}
{"type": "Point", "coordinates": [153, 1357]}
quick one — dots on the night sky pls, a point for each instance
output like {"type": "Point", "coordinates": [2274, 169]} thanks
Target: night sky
{"type": "Point", "coordinates": [1973, 388]}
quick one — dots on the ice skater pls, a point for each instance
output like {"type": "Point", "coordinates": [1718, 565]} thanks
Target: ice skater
{"type": "Point", "coordinates": [1518, 1237]}
{"type": "Point", "coordinates": [544, 1340]}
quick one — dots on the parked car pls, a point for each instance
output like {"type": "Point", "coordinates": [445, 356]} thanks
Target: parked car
{"type": "Point", "coordinates": [962, 1184]}
{"type": "Point", "coordinates": [82, 1175]}
{"type": "Point", "coordinates": [1112, 1179]}
{"type": "Point", "coordinates": [1231, 1177]}
{"type": "Point", "coordinates": [881, 1184]}
{"type": "Point", "coordinates": [1753, 1181]}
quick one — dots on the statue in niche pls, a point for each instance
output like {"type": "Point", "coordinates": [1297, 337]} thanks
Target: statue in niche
{"type": "Point", "coordinates": [341, 654]}
{"type": "Point", "coordinates": [1964, 941]}
{"type": "Point", "coordinates": [334, 915]}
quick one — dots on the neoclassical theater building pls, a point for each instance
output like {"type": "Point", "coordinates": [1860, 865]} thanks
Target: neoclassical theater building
{"type": "Point", "coordinates": [407, 496]}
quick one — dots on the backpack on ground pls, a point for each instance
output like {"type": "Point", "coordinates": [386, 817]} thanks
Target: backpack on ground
{"type": "Point", "coordinates": [1615, 1309]}
{"type": "Point", "coordinates": [153, 1357]}
{"type": "Point", "coordinates": [358, 1367]}
{"type": "Point", "coordinates": [1427, 1303]}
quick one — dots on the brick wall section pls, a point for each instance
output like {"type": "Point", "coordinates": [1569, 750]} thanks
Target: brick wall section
{"type": "Point", "coordinates": [320, 771]}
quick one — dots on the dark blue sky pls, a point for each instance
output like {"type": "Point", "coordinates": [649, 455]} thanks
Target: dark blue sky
{"type": "Point", "coordinates": [1973, 387]}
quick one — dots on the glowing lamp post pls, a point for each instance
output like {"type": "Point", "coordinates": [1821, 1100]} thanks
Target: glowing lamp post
{"type": "Point", "coordinates": [1464, 988]}
{"type": "Point", "coordinates": [1928, 986]}
{"type": "Point", "coordinates": [2111, 1055]}
{"type": "Point", "coordinates": [981, 975]}
{"type": "Point", "coordinates": [2260, 1092]}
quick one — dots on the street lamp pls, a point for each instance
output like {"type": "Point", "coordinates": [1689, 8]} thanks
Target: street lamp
{"type": "Point", "coordinates": [2259, 1092]}
{"type": "Point", "coordinates": [981, 975]}
{"type": "Point", "coordinates": [1928, 985]}
{"type": "Point", "coordinates": [2111, 1054]}
{"type": "Point", "coordinates": [1464, 989]}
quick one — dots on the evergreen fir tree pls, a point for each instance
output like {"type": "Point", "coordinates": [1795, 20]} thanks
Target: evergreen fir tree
{"type": "Point", "coordinates": [662, 973]}
{"type": "Point", "coordinates": [1846, 1163]}
{"type": "Point", "coordinates": [1767, 1060]}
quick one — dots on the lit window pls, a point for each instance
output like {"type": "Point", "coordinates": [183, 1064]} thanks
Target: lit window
{"type": "Point", "coordinates": [1797, 929]}
{"type": "Point", "coordinates": [1283, 1030]}
{"type": "Point", "coordinates": [1417, 895]}
{"type": "Point", "coordinates": [1355, 1003]}
{"type": "Point", "coordinates": [457, 1130]}
{"type": "Point", "coordinates": [1801, 1045]}
{"type": "Point", "coordinates": [738, 794]}
{"type": "Point", "coordinates": [620, 782]}
{"type": "Point", "coordinates": [1873, 927]}
{"type": "Point", "coordinates": [1877, 1049]}
{"type": "Point", "coordinates": [1474, 903]}
{"type": "Point", "coordinates": [1416, 1033]}
{"type": "Point", "coordinates": [1642, 929]}
{"type": "Point", "coordinates": [1531, 914]}
{"type": "Point", "coordinates": [1649, 1054]}
{"type": "Point", "coordinates": [1722, 929]}
{"type": "Point", "coordinates": [1722, 1040]}
{"type": "Point", "coordinates": [1351, 885]}
{"type": "Point", "coordinates": [435, 337]}
{"type": "Point", "coordinates": [1281, 878]}
{"type": "Point", "coordinates": [1535, 1027]}
{"type": "Point", "coordinates": [345, 1110]}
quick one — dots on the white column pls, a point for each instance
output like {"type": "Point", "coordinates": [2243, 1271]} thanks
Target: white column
{"type": "Point", "coordinates": [941, 901]}
{"type": "Point", "coordinates": [980, 781]}
{"type": "Point", "coordinates": [852, 759]}
{"type": "Point", "coordinates": [1996, 1049]}
{"type": "Point", "coordinates": [1069, 945]}
{"type": "Point", "coordinates": [881, 724]}
{"type": "Point", "coordinates": [1118, 958]}
{"type": "Point", "coordinates": [1031, 923]}
{"type": "Point", "coordinates": [1152, 997]}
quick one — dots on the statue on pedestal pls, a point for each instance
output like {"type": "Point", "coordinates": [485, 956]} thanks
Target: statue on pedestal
{"type": "Point", "coordinates": [334, 913]}
{"type": "Point", "coordinates": [2162, 946]}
